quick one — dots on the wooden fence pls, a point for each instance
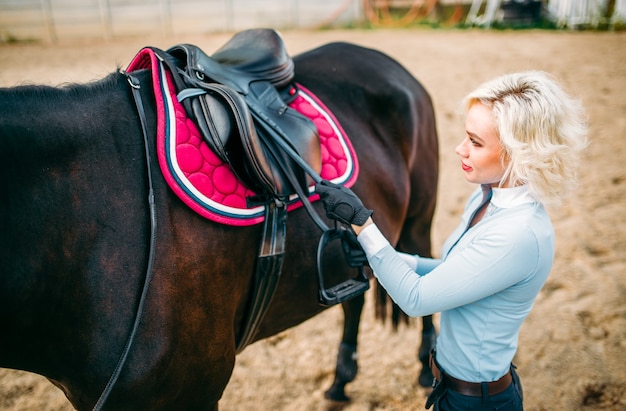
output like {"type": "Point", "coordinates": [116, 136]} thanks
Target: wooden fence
{"type": "Point", "coordinates": [53, 20]}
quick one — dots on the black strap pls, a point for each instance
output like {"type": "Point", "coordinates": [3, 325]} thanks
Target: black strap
{"type": "Point", "coordinates": [135, 87]}
{"type": "Point", "coordinates": [267, 272]}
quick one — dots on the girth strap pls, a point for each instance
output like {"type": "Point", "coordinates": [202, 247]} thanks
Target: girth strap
{"type": "Point", "coordinates": [267, 272]}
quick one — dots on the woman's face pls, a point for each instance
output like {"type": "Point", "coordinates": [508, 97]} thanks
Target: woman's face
{"type": "Point", "coordinates": [481, 150]}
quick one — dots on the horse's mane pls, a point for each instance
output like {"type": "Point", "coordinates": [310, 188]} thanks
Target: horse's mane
{"type": "Point", "coordinates": [67, 90]}
{"type": "Point", "coordinates": [46, 108]}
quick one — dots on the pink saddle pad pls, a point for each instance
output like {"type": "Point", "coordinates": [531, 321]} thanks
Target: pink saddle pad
{"type": "Point", "coordinates": [208, 185]}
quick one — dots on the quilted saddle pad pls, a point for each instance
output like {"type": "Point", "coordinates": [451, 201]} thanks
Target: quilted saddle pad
{"type": "Point", "coordinates": [208, 185]}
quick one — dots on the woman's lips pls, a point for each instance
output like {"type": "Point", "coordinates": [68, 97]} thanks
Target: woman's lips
{"type": "Point", "coordinates": [465, 167]}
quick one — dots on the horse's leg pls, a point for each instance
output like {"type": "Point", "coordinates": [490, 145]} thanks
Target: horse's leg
{"type": "Point", "coordinates": [347, 366]}
{"type": "Point", "coordinates": [429, 336]}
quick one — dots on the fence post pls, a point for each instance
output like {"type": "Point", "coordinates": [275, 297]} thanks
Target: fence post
{"type": "Point", "coordinates": [48, 21]}
{"type": "Point", "coordinates": [166, 17]}
{"type": "Point", "coordinates": [104, 9]}
{"type": "Point", "coordinates": [230, 14]}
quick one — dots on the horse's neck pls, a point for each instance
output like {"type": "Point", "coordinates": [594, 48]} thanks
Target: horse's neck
{"type": "Point", "coordinates": [45, 109]}
{"type": "Point", "coordinates": [71, 162]}
{"type": "Point", "coordinates": [58, 147]}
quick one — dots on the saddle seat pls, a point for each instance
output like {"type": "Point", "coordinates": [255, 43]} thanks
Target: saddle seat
{"type": "Point", "coordinates": [259, 52]}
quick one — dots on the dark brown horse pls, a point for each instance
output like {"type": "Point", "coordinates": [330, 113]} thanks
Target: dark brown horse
{"type": "Point", "coordinates": [76, 236]}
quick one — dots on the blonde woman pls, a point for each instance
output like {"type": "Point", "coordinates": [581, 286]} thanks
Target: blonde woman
{"type": "Point", "coordinates": [523, 135]}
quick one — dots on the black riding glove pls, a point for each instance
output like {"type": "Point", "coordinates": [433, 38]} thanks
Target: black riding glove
{"type": "Point", "coordinates": [342, 204]}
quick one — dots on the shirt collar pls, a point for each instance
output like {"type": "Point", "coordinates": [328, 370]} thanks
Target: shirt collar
{"type": "Point", "coordinates": [511, 197]}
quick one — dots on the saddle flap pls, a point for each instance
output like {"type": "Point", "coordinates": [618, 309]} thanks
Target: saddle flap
{"type": "Point", "coordinates": [226, 125]}
{"type": "Point", "coordinates": [277, 120]}
{"type": "Point", "coordinates": [214, 121]}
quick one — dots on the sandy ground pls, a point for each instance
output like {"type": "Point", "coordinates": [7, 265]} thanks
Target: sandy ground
{"type": "Point", "coordinates": [572, 347]}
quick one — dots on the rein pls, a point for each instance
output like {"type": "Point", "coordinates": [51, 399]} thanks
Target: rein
{"type": "Point", "coordinates": [136, 87]}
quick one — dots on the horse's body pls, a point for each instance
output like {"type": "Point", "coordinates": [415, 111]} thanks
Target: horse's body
{"type": "Point", "coordinates": [75, 233]}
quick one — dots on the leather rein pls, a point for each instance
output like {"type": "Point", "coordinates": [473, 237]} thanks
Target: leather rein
{"type": "Point", "coordinates": [135, 87]}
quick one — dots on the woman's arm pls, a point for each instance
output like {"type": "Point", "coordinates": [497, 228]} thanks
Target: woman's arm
{"type": "Point", "coordinates": [488, 265]}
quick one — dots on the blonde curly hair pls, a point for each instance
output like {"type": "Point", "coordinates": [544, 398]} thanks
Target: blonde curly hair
{"type": "Point", "coordinates": [542, 130]}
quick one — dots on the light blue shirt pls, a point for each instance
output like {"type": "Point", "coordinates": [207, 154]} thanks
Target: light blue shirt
{"type": "Point", "coordinates": [484, 285]}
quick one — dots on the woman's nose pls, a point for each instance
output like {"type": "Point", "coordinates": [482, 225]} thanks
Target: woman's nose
{"type": "Point", "coordinates": [461, 149]}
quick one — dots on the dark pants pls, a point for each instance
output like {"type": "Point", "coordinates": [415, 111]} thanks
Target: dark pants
{"type": "Point", "coordinates": [509, 400]}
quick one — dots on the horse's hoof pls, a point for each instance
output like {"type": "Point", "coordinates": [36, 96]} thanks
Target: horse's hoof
{"type": "Point", "coordinates": [336, 394]}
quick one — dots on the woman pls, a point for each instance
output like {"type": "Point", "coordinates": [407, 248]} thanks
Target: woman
{"type": "Point", "coordinates": [523, 134]}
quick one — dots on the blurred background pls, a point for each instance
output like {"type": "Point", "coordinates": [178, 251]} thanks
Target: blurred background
{"type": "Point", "coordinates": [573, 344]}
{"type": "Point", "coordinates": [57, 20]}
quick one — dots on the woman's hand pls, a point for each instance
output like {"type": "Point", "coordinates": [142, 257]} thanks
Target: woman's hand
{"type": "Point", "coordinates": [342, 204]}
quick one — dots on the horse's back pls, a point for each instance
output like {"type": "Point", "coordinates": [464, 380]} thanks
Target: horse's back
{"type": "Point", "coordinates": [339, 70]}
{"type": "Point", "coordinates": [389, 118]}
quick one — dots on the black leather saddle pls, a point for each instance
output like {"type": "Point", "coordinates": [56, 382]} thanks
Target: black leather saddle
{"type": "Point", "coordinates": [235, 98]}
